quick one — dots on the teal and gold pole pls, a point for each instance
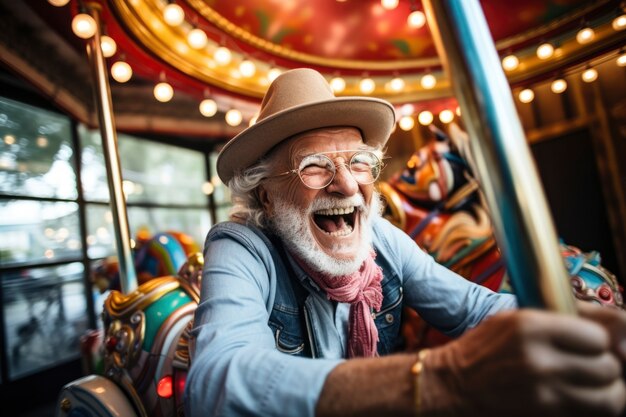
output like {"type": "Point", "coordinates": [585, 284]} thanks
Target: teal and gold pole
{"type": "Point", "coordinates": [523, 224]}
{"type": "Point", "coordinates": [104, 106]}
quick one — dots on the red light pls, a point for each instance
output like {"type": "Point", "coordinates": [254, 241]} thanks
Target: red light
{"type": "Point", "coordinates": [164, 387]}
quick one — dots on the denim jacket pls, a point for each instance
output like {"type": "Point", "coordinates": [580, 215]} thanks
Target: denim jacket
{"type": "Point", "coordinates": [261, 320]}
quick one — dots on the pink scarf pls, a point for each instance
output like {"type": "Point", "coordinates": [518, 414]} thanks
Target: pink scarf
{"type": "Point", "coordinates": [362, 289]}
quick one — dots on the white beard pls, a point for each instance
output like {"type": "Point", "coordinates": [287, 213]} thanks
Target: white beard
{"type": "Point", "coordinates": [293, 227]}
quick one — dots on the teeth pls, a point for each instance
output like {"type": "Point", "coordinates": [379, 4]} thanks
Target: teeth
{"type": "Point", "coordinates": [343, 232]}
{"type": "Point", "coordinates": [335, 211]}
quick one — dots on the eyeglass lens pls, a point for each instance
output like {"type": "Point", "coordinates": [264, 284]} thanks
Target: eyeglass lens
{"type": "Point", "coordinates": [318, 170]}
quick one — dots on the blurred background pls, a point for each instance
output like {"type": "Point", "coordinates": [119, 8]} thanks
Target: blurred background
{"type": "Point", "coordinates": [187, 75]}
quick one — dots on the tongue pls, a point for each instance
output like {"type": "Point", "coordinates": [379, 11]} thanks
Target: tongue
{"type": "Point", "coordinates": [330, 223]}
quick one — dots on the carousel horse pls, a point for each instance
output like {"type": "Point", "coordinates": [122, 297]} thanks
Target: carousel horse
{"type": "Point", "coordinates": [435, 199]}
{"type": "Point", "coordinates": [144, 344]}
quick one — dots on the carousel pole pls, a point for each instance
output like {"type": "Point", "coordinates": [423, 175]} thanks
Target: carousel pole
{"type": "Point", "coordinates": [128, 278]}
{"type": "Point", "coordinates": [522, 222]}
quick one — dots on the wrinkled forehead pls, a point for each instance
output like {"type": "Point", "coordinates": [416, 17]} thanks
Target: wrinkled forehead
{"type": "Point", "coordinates": [319, 140]}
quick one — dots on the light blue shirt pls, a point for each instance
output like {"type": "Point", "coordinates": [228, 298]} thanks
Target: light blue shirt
{"type": "Point", "coordinates": [236, 369]}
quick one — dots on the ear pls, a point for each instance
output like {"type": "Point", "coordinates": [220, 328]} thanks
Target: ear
{"type": "Point", "coordinates": [264, 199]}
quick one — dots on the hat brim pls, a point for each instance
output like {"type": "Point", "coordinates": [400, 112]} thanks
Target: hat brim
{"type": "Point", "coordinates": [373, 117]}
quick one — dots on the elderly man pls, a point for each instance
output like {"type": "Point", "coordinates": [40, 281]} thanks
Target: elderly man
{"type": "Point", "coordinates": [308, 275]}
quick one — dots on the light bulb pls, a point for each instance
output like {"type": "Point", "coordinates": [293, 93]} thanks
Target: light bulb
{"type": "Point", "coordinates": [173, 14]}
{"type": "Point", "coordinates": [389, 4]}
{"type": "Point", "coordinates": [367, 86]}
{"type": "Point", "coordinates": [619, 23]}
{"type": "Point", "coordinates": [446, 116]}
{"type": "Point", "coordinates": [83, 26]}
{"type": "Point", "coordinates": [234, 117]}
{"type": "Point", "coordinates": [406, 123]}
{"type": "Point", "coordinates": [273, 74]}
{"type": "Point", "coordinates": [163, 92]}
{"type": "Point", "coordinates": [458, 111]}
{"type": "Point", "coordinates": [585, 35]}
{"type": "Point", "coordinates": [247, 68]}
{"type": "Point", "coordinates": [253, 119]}
{"type": "Point", "coordinates": [197, 38]}
{"type": "Point", "coordinates": [558, 86]}
{"type": "Point", "coordinates": [416, 19]}
{"type": "Point", "coordinates": [428, 81]}
{"type": "Point", "coordinates": [510, 62]}
{"type": "Point", "coordinates": [526, 95]}
{"type": "Point", "coordinates": [338, 84]}
{"type": "Point", "coordinates": [425, 118]}
{"type": "Point", "coordinates": [621, 60]}
{"type": "Point", "coordinates": [545, 50]}
{"type": "Point", "coordinates": [121, 71]}
{"type": "Point", "coordinates": [58, 3]}
{"type": "Point", "coordinates": [108, 46]}
{"type": "Point", "coordinates": [396, 84]}
{"type": "Point", "coordinates": [222, 55]}
{"type": "Point", "coordinates": [589, 75]}
{"type": "Point", "coordinates": [208, 107]}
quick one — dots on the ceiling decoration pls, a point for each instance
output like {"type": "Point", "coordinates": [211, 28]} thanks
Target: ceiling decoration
{"type": "Point", "coordinates": [225, 53]}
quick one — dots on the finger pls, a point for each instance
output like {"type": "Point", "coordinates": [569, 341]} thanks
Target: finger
{"type": "Point", "coordinates": [597, 370]}
{"type": "Point", "coordinates": [614, 320]}
{"type": "Point", "coordinates": [577, 335]}
{"type": "Point", "coordinates": [608, 400]}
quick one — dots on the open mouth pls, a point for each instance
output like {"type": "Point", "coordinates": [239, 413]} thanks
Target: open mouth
{"type": "Point", "coordinates": [336, 221]}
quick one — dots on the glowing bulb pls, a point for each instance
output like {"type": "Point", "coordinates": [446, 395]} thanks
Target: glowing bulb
{"type": "Point", "coordinates": [208, 107]}
{"type": "Point", "coordinates": [163, 92]}
{"type": "Point", "coordinates": [42, 141]}
{"type": "Point", "coordinates": [510, 62]}
{"type": "Point", "coordinates": [247, 68]}
{"type": "Point", "coordinates": [526, 95]}
{"type": "Point", "coordinates": [173, 14]}
{"type": "Point", "coordinates": [619, 23]}
{"type": "Point", "coordinates": [389, 4]}
{"type": "Point", "coordinates": [589, 75]}
{"type": "Point", "coordinates": [222, 55]}
{"type": "Point", "coordinates": [253, 119]}
{"type": "Point", "coordinates": [234, 117]}
{"type": "Point", "coordinates": [197, 38]}
{"type": "Point", "coordinates": [208, 188]}
{"type": "Point", "coordinates": [367, 85]}
{"type": "Point", "coordinates": [428, 81]}
{"type": "Point", "coordinates": [558, 86]}
{"type": "Point", "coordinates": [338, 84]}
{"type": "Point", "coordinates": [9, 139]}
{"type": "Point", "coordinates": [425, 117]}
{"type": "Point", "coordinates": [416, 19]}
{"type": "Point", "coordinates": [58, 3]}
{"type": "Point", "coordinates": [585, 35]}
{"type": "Point", "coordinates": [406, 123]}
{"type": "Point", "coordinates": [83, 26]}
{"type": "Point", "coordinates": [446, 116]}
{"type": "Point", "coordinates": [458, 111]}
{"type": "Point", "coordinates": [545, 50]}
{"type": "Point", "coordinates": [121, 71]}
{"type": "Point", "coordinates": [397, 84]}
{"type": "Point", "coordinates": [108, 46]}
{"type": "Point", "coordinates": [621, 60]}
{"type": "Point", "coordinates": [273, 74]}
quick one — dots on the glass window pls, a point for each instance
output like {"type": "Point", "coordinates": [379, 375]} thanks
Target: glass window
{"type": "Point", "coordinates": [152, 172]}
{"type": "Point", "coordinates": [221, 193]}
{"type": "Point", "coordinates": [101, 240]}
{"type": "Point", "coordinates": [36, 156]}
{"type": "Point", "coordinates": [36, 231]}
{"type": "Point", "coordinates": [45, 313]}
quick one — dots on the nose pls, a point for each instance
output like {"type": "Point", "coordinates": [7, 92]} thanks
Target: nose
{"type": "Point", "coordinates": [344, 182]}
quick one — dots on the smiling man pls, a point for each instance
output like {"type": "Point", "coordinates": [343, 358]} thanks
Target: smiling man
{"type": "Point", "coordinates": [303, 290]}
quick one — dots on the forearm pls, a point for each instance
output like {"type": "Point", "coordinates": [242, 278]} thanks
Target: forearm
{"type": "Point", "coordinates": [370, 387]}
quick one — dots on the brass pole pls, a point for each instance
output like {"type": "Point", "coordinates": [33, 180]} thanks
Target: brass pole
{"type": "Point", "coordinates": [522, 221]}
{"type": "Point", "coordinates": [128, 278]}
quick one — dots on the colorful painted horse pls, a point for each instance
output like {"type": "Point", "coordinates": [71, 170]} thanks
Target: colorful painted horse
{"type": "Point", "coordinates": [436, 200]}
{"type": "Point", "coordinates": [144, 346]}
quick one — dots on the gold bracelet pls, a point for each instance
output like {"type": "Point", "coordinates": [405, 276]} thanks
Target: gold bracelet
{"type": "Point", "coordinates": [416, 370]}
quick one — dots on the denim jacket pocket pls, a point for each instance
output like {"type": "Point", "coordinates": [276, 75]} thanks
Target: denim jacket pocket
{"type": "Point", "coordinates": [388, 319]}
{"type": "Point", "coordinates": [285, 325]}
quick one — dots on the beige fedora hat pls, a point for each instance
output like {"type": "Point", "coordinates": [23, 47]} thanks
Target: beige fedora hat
{"type": "Point", "coordinates": [297, 101]}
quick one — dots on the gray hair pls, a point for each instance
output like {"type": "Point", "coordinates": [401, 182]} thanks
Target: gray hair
{"type": "Point", "coordinates": [247, 207]}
